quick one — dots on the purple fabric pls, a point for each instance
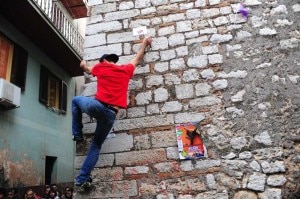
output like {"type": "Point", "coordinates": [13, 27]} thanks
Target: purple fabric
{"type": "Point", "coordinates": [243, 11]}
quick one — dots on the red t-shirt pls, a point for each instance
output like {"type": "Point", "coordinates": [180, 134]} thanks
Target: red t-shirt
{"type": "Point", "coordinates": [113, 80]}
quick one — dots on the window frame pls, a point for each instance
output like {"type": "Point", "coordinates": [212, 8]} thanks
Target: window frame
{"type": "Point", "coordinates": [16, 65]}
{"type": "Point", "coordinates": [60, 91]}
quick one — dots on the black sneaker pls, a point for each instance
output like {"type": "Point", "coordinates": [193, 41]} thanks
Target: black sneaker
{"type": "Point", "coordinates": [78, 138]}
{"type": "Point", "coordinates": [86, 184]}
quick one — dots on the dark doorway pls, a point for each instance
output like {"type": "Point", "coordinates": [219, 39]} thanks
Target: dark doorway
{"type": "Point", "coordinates": [50, 170]}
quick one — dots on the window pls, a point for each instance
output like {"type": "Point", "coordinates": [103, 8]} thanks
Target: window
{"type": "Point", "coordinates": [13, 62]}
{"type": "Point", "coordinates": [53, 91]}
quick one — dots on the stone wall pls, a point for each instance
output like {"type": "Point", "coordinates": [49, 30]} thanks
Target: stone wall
{"type": "Point", "coordinates": [239, 77]}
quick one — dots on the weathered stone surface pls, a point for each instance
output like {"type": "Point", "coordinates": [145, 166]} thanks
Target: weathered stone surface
{"type": "Point", "coordinates": [114, 189]}
{"type": "Point", "coordinates": [144, 122]}
{"type": "Point", "coordinates": [113, 144]}
{"type": "Point", "coordinates": [257, 182]}
{"type": "Point", "coordinates": [140, 157]}
{"type": "Point", "coordinates": [212, 194]}
{"type": "Point", "coordinates": [245, 195]}
{"type": "Point", "coordinates": [104, 160]}
{"type": "Point", "coordinates": [271, 193]}
{"type": "Point", "coordinates": [161, 139]}
{"type": "Point", "coordinates": [208, 63]}
{"type": "Point", "coordinates": [276, 180]}
{"type": "Point", "coordinates": [273, 167]}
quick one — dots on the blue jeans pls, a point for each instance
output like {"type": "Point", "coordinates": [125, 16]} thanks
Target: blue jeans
{"type": "Point", "coordinates": [105, 119]}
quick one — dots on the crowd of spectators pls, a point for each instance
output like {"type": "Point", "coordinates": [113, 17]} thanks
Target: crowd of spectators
{"type": "Point", "coordinates": [50, 192]}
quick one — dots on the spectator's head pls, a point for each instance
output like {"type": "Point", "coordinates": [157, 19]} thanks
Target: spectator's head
{"type": "Point", "coordinates": [68, 192]}
{"type": "Point", "coordinates": [54, 186]}
{"type": "Point", "coordinates": [47, 188]}
{"type": "Point", "coordinates": [30, 194]}
{"type": "Point", "coordinates": [52, 193]}
{"type": "Point", "coordinates": [11, 193]}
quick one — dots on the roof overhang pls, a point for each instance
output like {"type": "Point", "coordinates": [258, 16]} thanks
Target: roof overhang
{"type": "Point", "coordinates": [76, 8]}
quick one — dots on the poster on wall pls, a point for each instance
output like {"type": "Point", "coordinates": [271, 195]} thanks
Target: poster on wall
{"type": "Point", "coordinates": [190, 143]}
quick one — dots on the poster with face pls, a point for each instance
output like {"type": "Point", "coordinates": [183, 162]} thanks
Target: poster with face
{"type": "Point", "coordinates": [190, 143]}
